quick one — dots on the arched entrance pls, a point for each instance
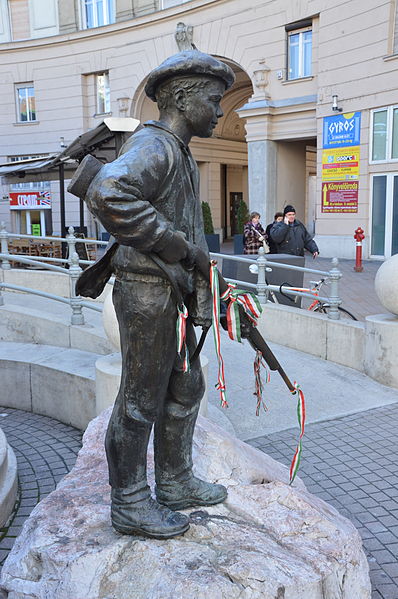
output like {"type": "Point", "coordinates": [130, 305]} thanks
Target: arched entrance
{"type": "Point", "coordinates": [222, 159]}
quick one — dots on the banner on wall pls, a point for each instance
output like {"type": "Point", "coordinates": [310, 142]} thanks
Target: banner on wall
{"type": "Point", "coordinates": [342, 130]}
{"type": "Point", "coordinates": [340, 164]}
{"type": "Point", "coordinates": [30, 200]}
{"type": "Point", "coordinates": [340, 196]}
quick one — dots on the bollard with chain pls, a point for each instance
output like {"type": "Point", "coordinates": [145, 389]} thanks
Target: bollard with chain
{"type": "Point", "coordinates": [262, 290]}
{"type": "Point", "coordinates": [334, 299]}
{"type": "Point", "coordinates": [5, 264]}
{"type": "Point", "coordinates": [75, 301]}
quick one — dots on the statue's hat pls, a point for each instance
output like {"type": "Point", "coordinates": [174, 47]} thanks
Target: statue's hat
{"type": "Point", "coordinates": [184, 64]}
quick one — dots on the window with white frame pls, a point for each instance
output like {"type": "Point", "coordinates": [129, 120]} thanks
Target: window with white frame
{"type": "Point", "coordinates": [25, 102]}
{"type": "Point", "coordinates": [384, 134]}
{"type": "Point", "coordinates": [299, 52]}
{"type": "Point", "coordinates": [168, 3]}
{"type": "Point", "coordinates": [103, 93]}
{"type": "Point", "coordinates": [96, 13]}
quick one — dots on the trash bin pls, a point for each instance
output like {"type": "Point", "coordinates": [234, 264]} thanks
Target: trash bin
{"type": "Point", "coordinates": [240, 271]}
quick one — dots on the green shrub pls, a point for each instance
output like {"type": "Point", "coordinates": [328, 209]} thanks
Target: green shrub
{"type": "Point", "coordinates": [243, 216]}
{"type": "Point", "coordinates": [207, 219]}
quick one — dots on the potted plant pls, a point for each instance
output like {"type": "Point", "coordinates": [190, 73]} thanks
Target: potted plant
{"type": "Point", "coordinates": [212, 239]}
{"type": "Point", "coordinates": [243, 217]}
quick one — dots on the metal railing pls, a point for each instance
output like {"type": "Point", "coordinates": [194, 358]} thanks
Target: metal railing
{"type": "Point", "coordinates": [73, 271]}
{"type": "Point", "coordinates": [261, 287]}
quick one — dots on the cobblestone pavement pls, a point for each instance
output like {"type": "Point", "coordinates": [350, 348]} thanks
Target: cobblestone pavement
{"type": "Point", "coordinates": [351, 463]}
{"type": "Point", "coordinates": [45, 450]}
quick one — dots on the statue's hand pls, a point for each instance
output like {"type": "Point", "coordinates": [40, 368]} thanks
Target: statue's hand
{"type": "Point", "coordinates": [176, 250]}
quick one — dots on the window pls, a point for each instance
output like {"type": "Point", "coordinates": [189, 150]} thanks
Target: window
{"type": "Point", "coordinates": [299, 53]}
{"type": "Point", "coordinates": [97, 13]}
{"type": "Point", "coordinates": [384, 225]}
{"type": "Point", "coordinates": [384, 141]}
{"type": "Point", "coordinates": [103, 93]}
{"type": "Point", "coordinates": [25, 97]}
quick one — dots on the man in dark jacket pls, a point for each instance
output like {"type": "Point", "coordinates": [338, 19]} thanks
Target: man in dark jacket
{"type": "Point", "coordinates": [291, 237]}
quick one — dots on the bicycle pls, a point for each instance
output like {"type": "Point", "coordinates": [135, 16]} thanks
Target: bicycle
{"type": "Point", "coordinates": [317, 305]}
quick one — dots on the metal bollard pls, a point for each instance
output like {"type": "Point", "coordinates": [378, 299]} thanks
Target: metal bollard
{"type": "Point", "coordinates": [75, 301]}
{"type": "Point", "coordinates": [71, 240]}
{"type": "Point", "coordinates": [262, 290]}
{"type": "Point", "coordinates": [5, 264]}
{"type": "Point", "coordinates": [334, 299]}
{"type": "Point", "coordinates": [359, 236]}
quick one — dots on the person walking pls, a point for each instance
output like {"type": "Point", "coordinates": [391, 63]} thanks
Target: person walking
{"type": "Point", "coordinates": [253, 234]}
{"type": "Point", "coordinates": [278, 217]}
{"type": "Point", "coordinates": [290, 235]}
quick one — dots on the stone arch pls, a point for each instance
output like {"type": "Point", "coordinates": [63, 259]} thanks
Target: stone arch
{"type": "Point", "coordinates": [222, 159]}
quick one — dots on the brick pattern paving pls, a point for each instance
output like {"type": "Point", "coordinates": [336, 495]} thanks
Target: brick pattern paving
{"type": "Point", "coordinates": [45, 450]}
{"type": "Point", "coordinates": [351, 463]}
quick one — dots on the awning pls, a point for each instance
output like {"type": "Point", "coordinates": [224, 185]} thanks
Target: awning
{"type": "Point", "coordinates": [86, 143]}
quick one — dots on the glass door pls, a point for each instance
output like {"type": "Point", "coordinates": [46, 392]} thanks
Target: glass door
{"type": "Point", "coordinates": [384, 219]}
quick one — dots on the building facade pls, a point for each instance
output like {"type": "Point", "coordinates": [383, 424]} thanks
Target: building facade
{"type": "Point", "coordinates": [312, 119]}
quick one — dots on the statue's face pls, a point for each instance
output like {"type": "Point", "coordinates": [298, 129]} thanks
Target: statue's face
{"type": "Point", "coordinates": [202, 109]}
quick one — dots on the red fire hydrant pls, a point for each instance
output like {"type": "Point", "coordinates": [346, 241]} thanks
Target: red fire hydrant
{"type": "Point", "coordinates": [358, 236]}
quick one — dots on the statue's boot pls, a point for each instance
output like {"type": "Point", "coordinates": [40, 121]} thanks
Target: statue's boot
{"type": "Point", "coordinates": [134, 512]}
{"type": "Point", "coordinates": [176, 486]}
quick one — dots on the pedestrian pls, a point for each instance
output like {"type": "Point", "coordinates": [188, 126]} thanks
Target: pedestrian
{"type": "Point", "coordinates": [148, 200]}
{"type": "Point", "coordinates": [290, 235]}
{"type": "Point", "coordinates": [278, 217]}
{"type": "Point", "coordinates": [253, 234]}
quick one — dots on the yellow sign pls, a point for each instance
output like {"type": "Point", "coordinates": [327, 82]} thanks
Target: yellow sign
{"type": "Point", "coordinates": [340, 164]}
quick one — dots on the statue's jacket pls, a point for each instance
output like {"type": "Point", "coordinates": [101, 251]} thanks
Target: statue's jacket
{"type": "Point", "coordinates": [150, 191]}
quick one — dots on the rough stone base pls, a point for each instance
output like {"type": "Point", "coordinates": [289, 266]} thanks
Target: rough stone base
{"type": "Point", "coordinates": [268, 540]}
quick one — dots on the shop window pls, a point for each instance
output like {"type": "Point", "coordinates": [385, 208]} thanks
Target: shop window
{"type": "Point", "coordinates": [299, 52]}
{"type": "Point", "coordinates": [97, 13]}
{"type": "Point", "coordinates": [103, 93]}
{"type": "Point", "coordinates": [28, 185]}
{"type": "Point", "coordinates": [384, 222]}
{"type": "Point", "coordinates": [384, 136]}
{"type": "Point", "coordinates": [25, 99]}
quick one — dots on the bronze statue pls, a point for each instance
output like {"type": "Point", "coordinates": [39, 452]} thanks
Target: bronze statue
{"type": "Point", "coordinates": [148, 200]}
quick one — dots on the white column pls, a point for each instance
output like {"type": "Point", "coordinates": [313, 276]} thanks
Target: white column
{"type": "Point", "coordinates": [42, 222]}
{"type": "Point", "coordinates": [28, 223]}
{"type": "Point", "coordinates": [262, 162]}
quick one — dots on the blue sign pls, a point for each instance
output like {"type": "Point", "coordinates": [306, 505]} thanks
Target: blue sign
{"type": "Point", "coordinates": [342, 130]}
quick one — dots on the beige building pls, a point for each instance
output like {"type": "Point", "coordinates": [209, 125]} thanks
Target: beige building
{"type": "Point", "coordinates": [312, 119]}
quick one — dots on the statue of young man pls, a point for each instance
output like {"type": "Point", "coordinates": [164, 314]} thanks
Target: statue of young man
{"type": "Point", "coordinates": [148, 199]}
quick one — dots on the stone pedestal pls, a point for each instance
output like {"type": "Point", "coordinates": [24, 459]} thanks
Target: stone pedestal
{"type": "Point", "coordinates": [266, 541]}
{"type": "Point", "coordinates": [381, 349]}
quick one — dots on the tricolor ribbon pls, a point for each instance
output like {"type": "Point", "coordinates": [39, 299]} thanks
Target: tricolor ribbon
{"type": "Point", "coordinates": [181, 331]}
{"type": "Point", "coordinates": [215, 292]}
{"type": "Point", "coordinates": [249, 303]}
{"type": "Point", "coordinates": [258, 381]}
{"type": "Point", "coordinates": [301, 420]}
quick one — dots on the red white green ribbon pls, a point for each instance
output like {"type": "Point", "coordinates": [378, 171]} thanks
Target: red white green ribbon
{"type": "Point", "coordinates": [258, 381]}
{"type": "Point", "coordinates": [181, 331]}
{"type": "Point", "coordinates": [249, 303]}
{"type": "Point", "coordinates": [215, 292]}
{"type": "Point", "coordinates": [301, 420]}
